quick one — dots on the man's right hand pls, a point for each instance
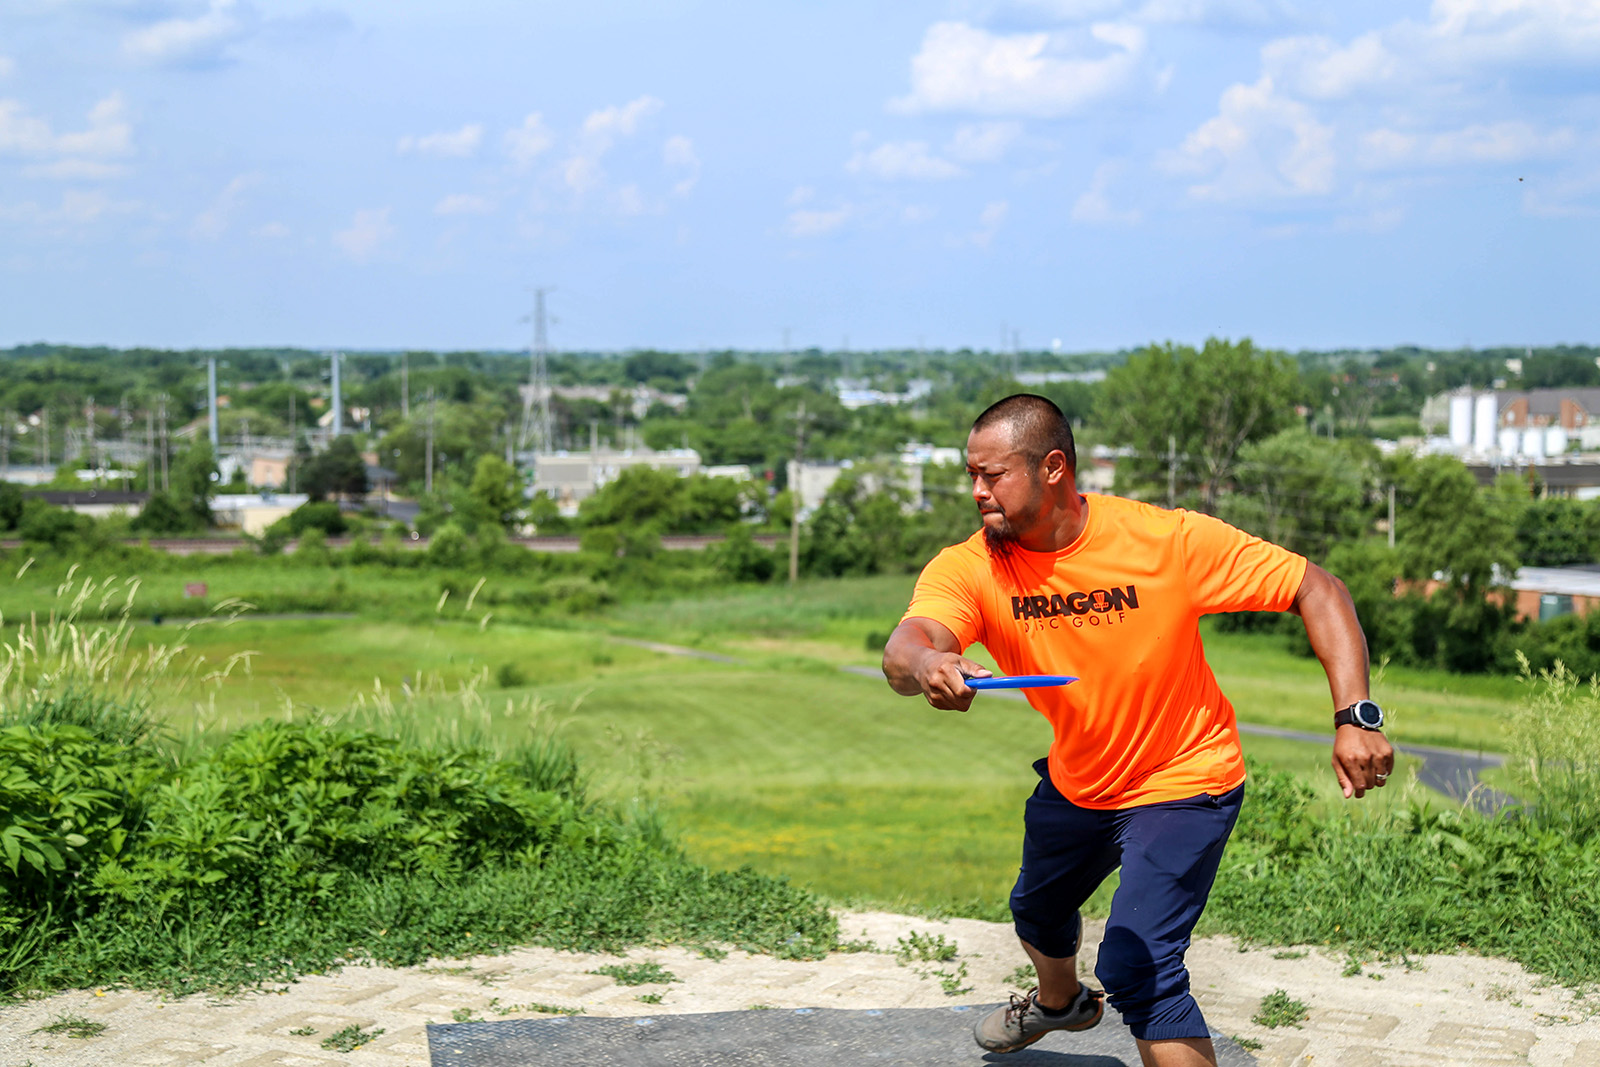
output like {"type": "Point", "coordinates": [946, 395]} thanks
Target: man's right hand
{"type": "Point", "coordinates": [943, 678]}
{"type": "Point", "coordinates": [923, 656]}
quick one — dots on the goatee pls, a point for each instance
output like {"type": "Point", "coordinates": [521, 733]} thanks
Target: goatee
{"type": "Point", "coordinates": [999, 542]}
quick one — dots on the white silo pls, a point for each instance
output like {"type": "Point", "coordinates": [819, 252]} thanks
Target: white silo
{"type": "Point", "coordinates": [1461, 421]}
{"type": "Point", "coordinates": [1555, 440]}
{"type": "Point", "coordinates": [1508, 441]}
{"type": "Point", "coordinates": [1533, 443]}
{"type": "Point", "coordinates": [1485, 416]}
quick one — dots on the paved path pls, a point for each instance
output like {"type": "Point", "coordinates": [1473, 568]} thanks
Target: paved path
{"type": "Point", "coordinates": [1437, 1011]}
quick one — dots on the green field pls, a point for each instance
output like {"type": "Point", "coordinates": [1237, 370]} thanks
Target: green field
{"type": "Point", "coordinates": [779, 760]}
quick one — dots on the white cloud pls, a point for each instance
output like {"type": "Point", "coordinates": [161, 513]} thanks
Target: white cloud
{"type": "Point", "coordinates": [630, 201]}
{"type": "Point", "coordinates": [368, 230]}
{"type": "Point", "coordinates": [1392, 99]}
{"type": "Point", "coordinates": [982, 142]}
{"type": "Point", "coordinates": [1094, 206]}
{"type": "Point", "coordinates": [1320, 69]}
{"type": "Point", "coordinates": [601, 130]}
{"type": "Point", "coordinates": [81, 154]}
{"type": "Point", "coordinates": [1499, 142]}
{"type": "Point", "coordinates": [77, 208]}
{"type": "Point", "coordinates": [901, 160]}
{"type": "Point", "coordinates": [464, 204]}
{"type": "Point", "coordinates": [612, 122]}
{"type": "Point", "coordinates": [74, 170]}
{"type": "Point", "coordinates": [214, 221]}
{"type": "Point", "coordinates": [966, 69]}
{"type": "Point", "coordinates": [527, 142]}
{"type": "Point", "coordinates": [817, 222]}
{"type": "Point", "coordinates": [198, 41]}
{"type": "Point", "coordinates": [447, 143]}
{"type": "Point", "coordinates": [990, 220]}
{"type": "Point", "coordinates": [272, 231]}
{"type": "Point", "coordinates": [678, 154]}
{"type": "Point", "coordinates": [1260, 144]}
{"type": "Point", "coordinates": [803, 194]}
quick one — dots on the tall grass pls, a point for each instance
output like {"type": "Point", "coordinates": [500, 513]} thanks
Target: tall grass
{"type": "Point", "coordinates": [312, 840]}
{"type": "Point", "coordinates": [1431, 878]}
{"type": "Point", "coordinates": [1555, 746]}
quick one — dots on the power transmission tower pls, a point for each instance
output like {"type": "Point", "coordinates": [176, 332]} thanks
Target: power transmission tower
{"type": "Point", "coordinates": [538, 430]}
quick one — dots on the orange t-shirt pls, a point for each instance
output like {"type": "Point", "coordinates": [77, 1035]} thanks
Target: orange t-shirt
{"type": "Point", "coordinates": [1119, 608]}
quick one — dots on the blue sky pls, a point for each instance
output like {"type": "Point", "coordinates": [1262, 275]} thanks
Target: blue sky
{"type": "Point", "coordinates": [705, 174]}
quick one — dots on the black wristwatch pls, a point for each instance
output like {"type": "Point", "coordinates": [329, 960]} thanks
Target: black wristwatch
{"type": "Point", "coordinates": [1363, 713]}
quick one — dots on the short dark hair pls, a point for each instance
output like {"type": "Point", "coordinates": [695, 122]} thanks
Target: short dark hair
{"type": "Point", "coordinates": [1037, 427]}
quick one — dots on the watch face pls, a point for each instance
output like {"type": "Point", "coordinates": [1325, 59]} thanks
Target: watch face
{"type": "Point", "coordinates": [1368, 715]}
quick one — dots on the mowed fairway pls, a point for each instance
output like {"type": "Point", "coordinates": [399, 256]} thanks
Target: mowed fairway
{"type": "Point", "coordinates": [780, 760]}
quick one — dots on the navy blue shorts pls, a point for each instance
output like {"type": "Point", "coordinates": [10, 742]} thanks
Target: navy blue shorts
{"type": "Point", "coordinates": [1168, 853]}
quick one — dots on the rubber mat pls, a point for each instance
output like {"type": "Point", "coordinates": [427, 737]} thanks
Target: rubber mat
{"type": "Point", "coordinates": [805, 1037]}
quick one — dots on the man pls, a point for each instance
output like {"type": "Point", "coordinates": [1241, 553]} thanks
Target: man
{"type": "Point", "coordinates": [1145, 771]}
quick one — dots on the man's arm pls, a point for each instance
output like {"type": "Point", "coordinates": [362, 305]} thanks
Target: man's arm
{"type": "Point", "coordinates": [923, 656]}
{"type": "Point", "coordinates": [1324, 605]}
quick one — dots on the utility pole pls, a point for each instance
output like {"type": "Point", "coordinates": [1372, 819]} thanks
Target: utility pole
{"type": "Point", "coordinates": [405, 386]}
{"type": "Point", "coordinates": [294, 451]}
{"type": "Point", "coordinates": [427, 481]}
{"type": "Point", "coordinates": [1172, 471]}
{"type": "Point", "coordinates": [44, 439]}
{"type": "Point", "coordinates": [794, 491]}
{"type": "Point", "coordinates": [149, 451]}
{"type": "Point", "coordinates": [1391, 516]}
{"type": "Point", "coordinates": [89, 414]}
{"type": "Point", "coordinates": [338, 396]}
{"type": "Point", "coordinates": [211, 403]}
{"type": "Point", "coordinates": [166, 441]}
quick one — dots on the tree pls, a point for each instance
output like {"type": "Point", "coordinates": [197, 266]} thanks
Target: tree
{"type": "Point", "coordinates": [193, 482]}
{"type": "Point", "coordinates": [1558, 533]}
{"type": "Point", "coordinates": [1187, 413]}
{"type": "Point", "coordinates": [339, 470]}
{"type": "Point", "coordinates": [1445, 525]}
{"type": "Point", "coordinates": [1302, 493]}
{"type": "Point", "coordinates": [494, 493]}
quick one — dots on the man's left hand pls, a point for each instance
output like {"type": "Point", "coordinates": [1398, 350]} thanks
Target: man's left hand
{"type": "Point", "coordinates": [1362, 760]}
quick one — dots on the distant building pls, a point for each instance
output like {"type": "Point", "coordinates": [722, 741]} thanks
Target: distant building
{"type": "Point", "coordinates": [252, 512]}
{"type": "Point", "coordinates": [1545, 593]}
{"type": "Point", "coordinates": [858, 393]}
{"type": "Point", "coordinates": [639, 398]}
{"type": "Point", "coordinates": [572, 477]}
{"type": "Point", "coordinates": [811, 481]}
{"type": "Point", "coordinates": [96, 503]}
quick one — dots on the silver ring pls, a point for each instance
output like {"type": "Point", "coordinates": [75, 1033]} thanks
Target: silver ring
{"type": "Point", "coordinates": [1382, 777]}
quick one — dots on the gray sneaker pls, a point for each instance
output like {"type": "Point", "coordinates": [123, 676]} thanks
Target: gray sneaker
{"type": "Point", "coordinates": [1022, 1022]}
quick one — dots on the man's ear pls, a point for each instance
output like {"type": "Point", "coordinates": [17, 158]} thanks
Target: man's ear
{"type": "Point", "coordinates": [1055, 467]}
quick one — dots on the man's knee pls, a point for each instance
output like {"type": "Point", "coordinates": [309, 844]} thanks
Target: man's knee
{"type": "Point", "coordinates": [1126, 968]}
{"type": "Point", "coordinates": [1056, 942]}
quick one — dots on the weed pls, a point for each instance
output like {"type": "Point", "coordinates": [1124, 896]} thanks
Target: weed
{"type": "Point", "coordinates": [537, 1008]}
{"type": "Point", "coordinates": [1290, 954]}
{"type": "Point", "coordinates": [1024, 976]}
{"type": "Point", "coordinates": [464, 1015]}
{"type": "Point", "coordinates": [350, 1038]}
{"type": "Point", "coordinates": [647, 973]}
{"type": "Point", "coordinates": [435, 969]}
{"type": "Point", "coordinates": [1352, 968]}
{"type": "Point", "coordinates": [712, 952]}
{"type": "Point", "coordinates": [1279, 1009]}
{"type": "Point", "coordinates": [73, 1026]}
{"type": "Point", "coordinates": [759, 1007]}
{"type": "Point", "coordinates": [1248, 1043]}
{"type": "Point", "coordinates": [926, 948]}
{"type": "Point", "coordinates": [951, 981]}
{"type": "Point", "coordinates": [1499, 992]}
{"type": "Point", "coordinates": [857, 946]}
{"type": "Point", "coordinates": [649, 998]}
{"type": "Point", "coordinates": [303, 1031]}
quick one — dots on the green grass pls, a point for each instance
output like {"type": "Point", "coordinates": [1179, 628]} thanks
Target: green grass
{"type": "Point", "coordinates": [1279, 1009]}
{"type": "Point", "coordinates": [783, 761]}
